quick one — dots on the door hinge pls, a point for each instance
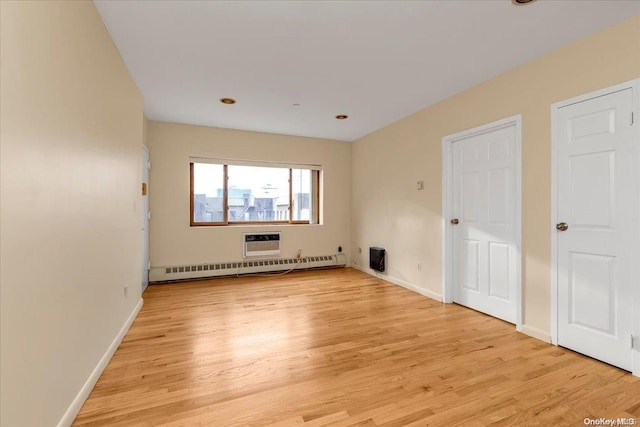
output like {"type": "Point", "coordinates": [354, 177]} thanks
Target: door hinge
{"type": "Point", "coordinates": [149, 215]}
{"type": "Point", "coordinates": [148, 265]}
{"type": "Point", "coordinates": [634, 342]}
{"type": "Point", "coordinates": [632, 121]}
{"type": "Point", "coordinates": [149, 165]}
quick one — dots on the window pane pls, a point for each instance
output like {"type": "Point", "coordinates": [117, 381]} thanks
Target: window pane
{"type": "Point", "coordinates": [208, 193]}
{"type": "Point", "coordinates": [258, 193]}
{"type": "Point", "coordinates": [302, 200]}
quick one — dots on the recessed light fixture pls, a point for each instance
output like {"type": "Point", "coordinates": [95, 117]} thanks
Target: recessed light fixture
{"type": "Point", "coordinates": [341, 116]}
{"type": "Point", "coordinates": [228, 101]}
{"type": "Point", "coordinates": [521, 2]}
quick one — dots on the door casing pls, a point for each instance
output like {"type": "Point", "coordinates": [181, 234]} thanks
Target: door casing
{"type": "Point", "coordinates": [447, 205]}
{"type": "Point", "coordinates": [635, 87]}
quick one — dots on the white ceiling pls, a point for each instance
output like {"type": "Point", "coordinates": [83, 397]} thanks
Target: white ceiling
{"type": "Point", "coordinates": [377, 61]}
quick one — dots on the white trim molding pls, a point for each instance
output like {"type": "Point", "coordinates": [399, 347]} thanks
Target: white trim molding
{"type": "Point", "coordinates": [71, 412]}
{"type": "Point", "coordinates": [536, 333]}
{"type": "Point", "coordinates": [634, 85]}
{"type": "Point", "coordinates": [417, 289]}
{"type": "Point", "coordinates": [447, 206]}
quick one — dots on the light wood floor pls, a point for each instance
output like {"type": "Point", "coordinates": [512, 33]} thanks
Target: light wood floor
{"type": "Point", "coordinates": [340, 348]}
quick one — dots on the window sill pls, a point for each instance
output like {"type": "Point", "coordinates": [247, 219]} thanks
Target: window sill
{"type": "Point", "coordinates": [250, 224]}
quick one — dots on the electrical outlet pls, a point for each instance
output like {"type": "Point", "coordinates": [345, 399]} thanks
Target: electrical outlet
{"type": "Point", "coordinates": [419, 266]}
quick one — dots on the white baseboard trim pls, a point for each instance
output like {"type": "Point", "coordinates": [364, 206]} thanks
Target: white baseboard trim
{"type": "Point", "coordinates": [536, 333]}
{"type": "Point", "coordinates": [76, 405]}
{"type": "Point", "coordinates": [417, 289]}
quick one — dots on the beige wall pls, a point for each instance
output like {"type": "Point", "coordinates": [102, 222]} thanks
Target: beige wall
{"type": "Point", "coordinates": [388, 211]}
{"type": "Point", "coordinates": [174, 242]}
{"type": "Point", "coordinates": [71, 140]}
{"type": "Point", "coordinates": [145, 131]}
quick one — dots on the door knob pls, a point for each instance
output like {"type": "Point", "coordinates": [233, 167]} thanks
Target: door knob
{"type": "Point", "coordinates": [454, 221]}
{"type": "Point", "coordinates": [562, 226]}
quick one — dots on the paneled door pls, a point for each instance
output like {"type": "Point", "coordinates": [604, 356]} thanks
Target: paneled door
{"type": "Point", "coordinates": [484, 224]}
{"type": "Point", "coordinates": [597, 227]}
{"type": "Point", "coordinates": [145, 219]}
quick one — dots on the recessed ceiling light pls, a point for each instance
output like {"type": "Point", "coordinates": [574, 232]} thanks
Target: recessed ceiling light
{"type": "Point", "coordinates": [341, 116]}
{"type": "Point", "coordinates": [521, 2]}
{"type": "Point", "coordinates": [228, 101]}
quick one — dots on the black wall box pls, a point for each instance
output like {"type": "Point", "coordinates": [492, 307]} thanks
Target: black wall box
{"type": "Point", "coordinates": [376, 258]}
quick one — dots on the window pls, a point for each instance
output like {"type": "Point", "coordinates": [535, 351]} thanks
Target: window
{"type": "Point", "coordinates": [207, 192]}
{"type": "Point", "coordinates": [225, 193]}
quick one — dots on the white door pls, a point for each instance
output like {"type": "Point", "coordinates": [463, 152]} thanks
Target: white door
{"type": "Point", "coordinates": [485, 236]}
{"type": "Point", "coordinates": [145, 219]}
{"type": "Point", "coordinates": [597, 227]}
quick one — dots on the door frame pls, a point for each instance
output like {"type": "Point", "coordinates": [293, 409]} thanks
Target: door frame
{"type": "Point", "coordinates": [447, 205]}
{"type": "Point", "coordinates": [634, 85]}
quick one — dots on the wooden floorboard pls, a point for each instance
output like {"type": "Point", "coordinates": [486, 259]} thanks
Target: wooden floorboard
{"type": "Point", "coordinates": [340, 348]}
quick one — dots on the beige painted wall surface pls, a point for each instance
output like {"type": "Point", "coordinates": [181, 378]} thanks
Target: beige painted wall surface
{"type": "Point", "coordinates": [388, 211]}
{"type": "Point", "coordinates": [145, 131]}
{"type": "Point", "coordinates": [71, 134]}
{"type": "Point", "coordinates": [174, 242]}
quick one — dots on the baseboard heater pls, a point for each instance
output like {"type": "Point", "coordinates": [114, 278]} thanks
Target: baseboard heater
{"type": "Point", "coordinates": [199, 271]}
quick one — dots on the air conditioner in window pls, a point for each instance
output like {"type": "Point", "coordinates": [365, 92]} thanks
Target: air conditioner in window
{"type": "Point", "coordinates": [260, 244]}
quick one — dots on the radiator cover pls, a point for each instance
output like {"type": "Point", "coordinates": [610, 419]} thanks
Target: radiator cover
{"type": "Point", "coordinates": [233, 268]}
